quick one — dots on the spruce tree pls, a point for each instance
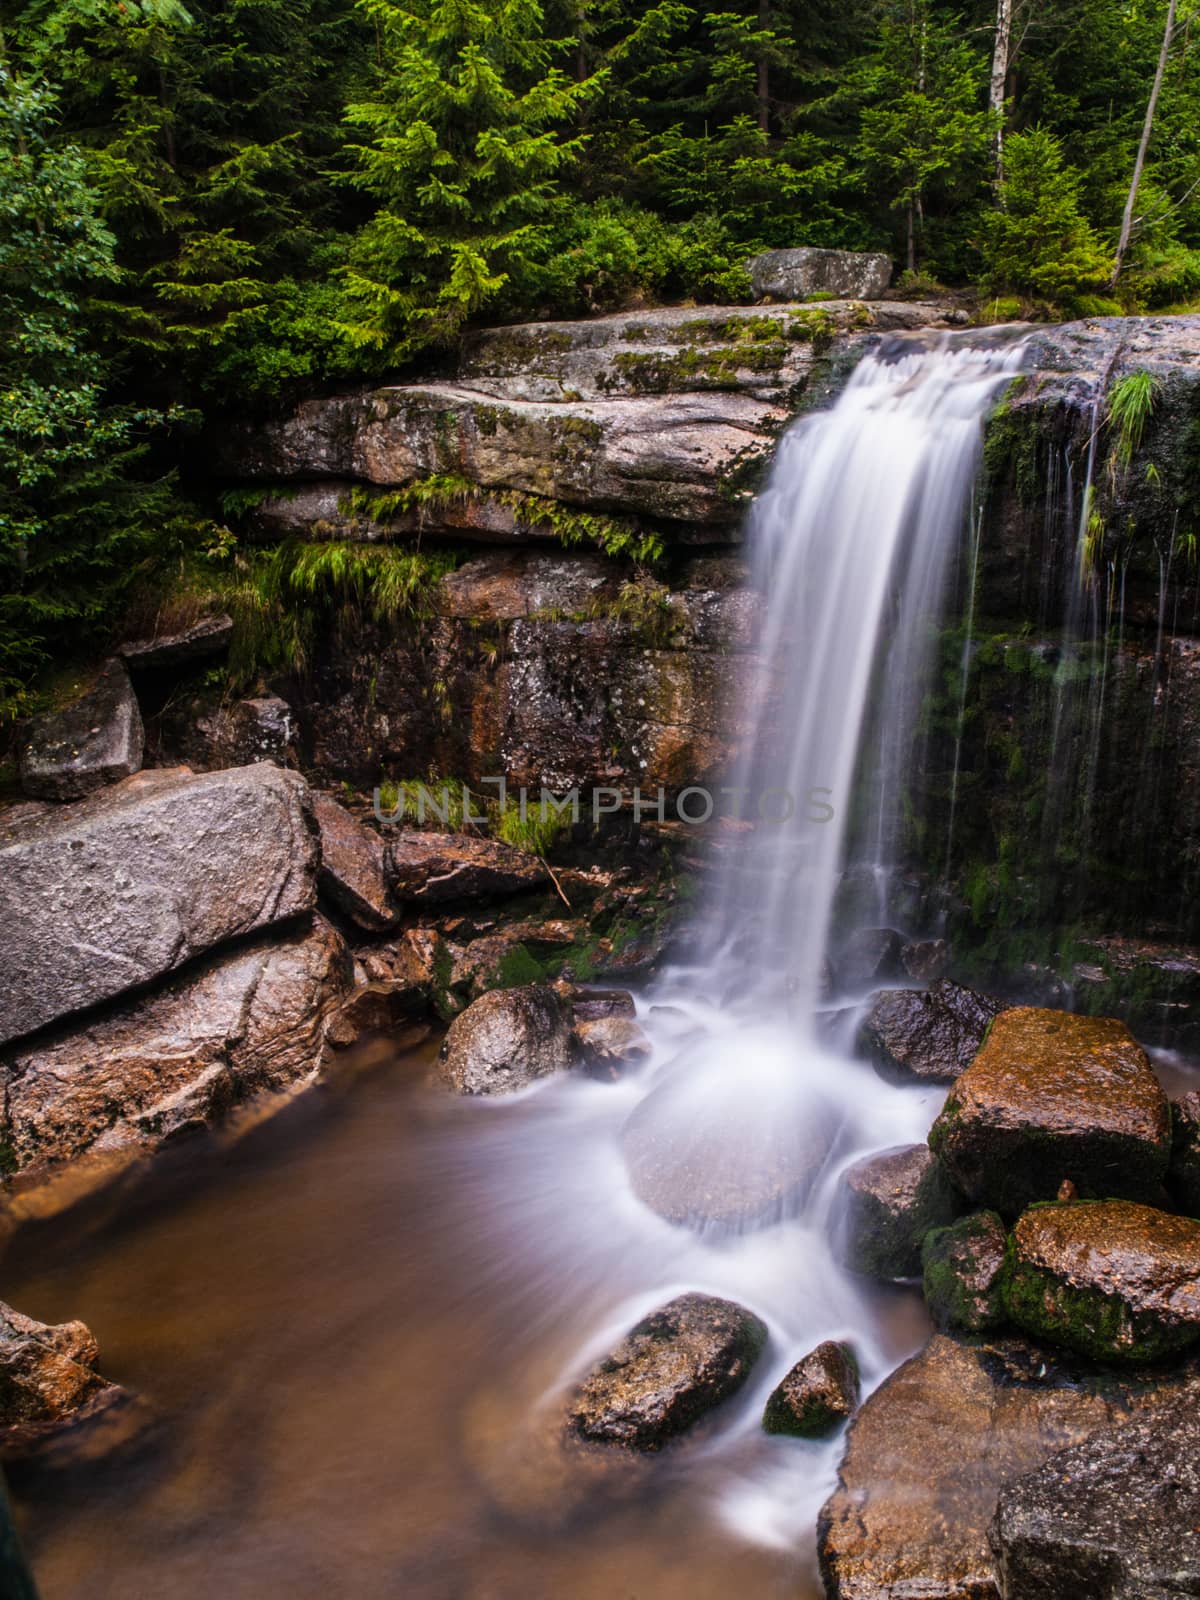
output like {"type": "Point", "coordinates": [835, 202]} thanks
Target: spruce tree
{"type": "Point", "coordinates": [465, 141]}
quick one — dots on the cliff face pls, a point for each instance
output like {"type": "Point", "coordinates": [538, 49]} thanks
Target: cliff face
{"type": "Point", "coordinates": [1058, 780]}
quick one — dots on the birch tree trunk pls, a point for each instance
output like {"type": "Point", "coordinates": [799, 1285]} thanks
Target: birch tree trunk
{"type": "Point", "coordinates": [999, 80]}
{"type": "Point", "coordinates": [1147, 129]}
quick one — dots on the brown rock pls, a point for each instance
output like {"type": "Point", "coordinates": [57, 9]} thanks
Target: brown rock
{"type": "Point", "coordinates": [668, 1371]}
{"type": "Point", "coordinates": [1111, 1279]}
{"type": "Point", "coordinates": [110, 893]}
{"type": "Point", "coordinates": [1053, 1096]}
{"type": "Point", "coordinates": [435, 868]}
{"type": "Point", "coordinates": [929, 1453]}
{"type": "Point", "coordinates": [930, 1035]}
{"type": "Point", "coordinates": [506, 1040]}
{"type": "Point", "coordinates": [609, 1046]}
{"type": "Point", "coordinates": [817, 1395]}
{"type": "Point", "coordinates": [589, 1005]}
{"type": "Point", "coordinates": [352, 866]}
{"type": "Point", "coordinates": [891, 1201]}
{"type": "Point", "coordinates": [47, 1374]}
{"type": "Point", "coordinates": [155, 1067]}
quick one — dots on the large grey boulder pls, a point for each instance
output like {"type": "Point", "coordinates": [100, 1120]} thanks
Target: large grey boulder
{"type": "Point", "coordinates": [795, 274]}
{"type": "Point", "coordinates": [668, 1372]}
{"type": "Point", "coordinates": [506, 1040]}
{"type": "Point", "coordinates": [96, 740]}
{"type": "Point", "coordinates": [154, 1067]}
{"type": "Point", "coordinates": [1117, 1516]}
{"type": "Point", "coordinates": [103, 896]}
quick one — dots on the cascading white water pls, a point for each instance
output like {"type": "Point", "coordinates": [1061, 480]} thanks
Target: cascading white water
{"type": "Point", "coordinates": [714, 1166]}
{"type": "Point", "coordinates": [850, 543]}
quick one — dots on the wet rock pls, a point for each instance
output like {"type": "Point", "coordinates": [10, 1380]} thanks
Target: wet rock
{"type": "Point", "coordinates": [891, 1201]}
{"type": "Point", "coordinates": [158, 1066]}
{"type": "Point", "coordinates": [208, 637]}
{"type": "Point", "coordinates": [416, 964]}
{"type": "Point", "coordinates": [515, 955]}
{"type": "Point", "coordinates": [590, 1005]}
{"type": "Point", "coordinates": [670, 1370]}
{"type": "Point", "coordinates": [47, 1374]}
{"type": "Point", "coordinates": [925, 960]}
{"type": "Point", "coordinates": [870, 956]}
{"type": "Point", "coordinates": [1118, 1515]}
{"type": "Point", "coordinates": [506, 1040]}
{"type": "Point", "coordinates": [931, 1035]}
{"type": "Point", "coordinates": [372, 1010]}
{"type": "Point", "coordinates": [115, 891]}
{"type": "Point", "coordinates": [609, 1046]}
{"type": "Point", "coordinates": [708, 1149]}
{"type": "Point", "coordinates": [1111, 1279]}
{"type": "Point", "coordinates": [817, 1395]}
{"type": "Point", "coordinates": [795, 274]}
{"type": "Point", "coordinates": [94, 741]}
{"type": "Point", "coordinates": [1183, 1174]}
{"type": "Point", "coordinates": [1053, 1096]}
{"type": "Point", "coordinates": [963, 1270]}
{"type": "Point", "coordinates": [930, 1452]}
{"type": "Point", "coordinates": [437, 868]}
{"type": "Point", "coordinates": [352, 867]}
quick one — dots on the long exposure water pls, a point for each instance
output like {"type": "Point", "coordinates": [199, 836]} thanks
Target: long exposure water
{"type": "Point", "coordinates": [355, 1325]}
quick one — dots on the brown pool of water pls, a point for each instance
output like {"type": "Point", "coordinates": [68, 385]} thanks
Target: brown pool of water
{"type": "Point", "coordinates": [343, 1368]}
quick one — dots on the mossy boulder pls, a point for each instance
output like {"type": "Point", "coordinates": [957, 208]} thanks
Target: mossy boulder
{"type": "Point", "coordinates": [963, 1269]}
{"type": "Point", "coordinates": [1110, 1279]}
{"type": "Point", "coordinates": [670, 1370]}
{"type": "Point", "coordinates": [890, 1202]}
{"type": "Point", "coordinates": [1053, 1096]}
{"type": "Point", "coordinates": [817, 1395]}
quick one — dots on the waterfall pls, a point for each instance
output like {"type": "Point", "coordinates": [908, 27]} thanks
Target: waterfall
{"type": "Point", "coordinates": [851, 544]}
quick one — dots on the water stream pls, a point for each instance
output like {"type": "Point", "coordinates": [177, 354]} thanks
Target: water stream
{"type": "Point", "coordinates": [330, 1426]}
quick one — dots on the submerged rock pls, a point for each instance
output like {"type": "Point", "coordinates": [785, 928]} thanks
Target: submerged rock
{"type": "Point", "coordinates": [157, 1066]}
{"type": "Point", "coordinates": [506, 1040]}
{"type": "Point", "coordinates": [1117, 1516]}
{"type": "Point", "coordinates": [817, 1395]}
{"type": "Point", "coordinates": [932, 1035]}
{"type": "Point", "coordinates": [794, 274]}
{"type": "Point", "coordinates": [48, 1376]}
{"type": "Point", "coordinates": [717, 1151]}
{"type": "Point", "coordinates": [963, 1270]}
{"type": "Point", "coordinates": [674, 1367]}
{"type": "Point", "coordinates": [609, 1046]}
{"type": "Point", "coordinates": [96, 740]}
{"type": "Point", "coordinates": [110, 893]}
{"type": "Point", "coordinates": [435, 868]}
{"type": "Point", "coordinates": [1108, 1278]}
{"type": "Point", "coordinates": [1052, 1096]}
{"type": "Point", "coordinates": [930, 1452]}
{"type": "Point", "coordinates": [890, 1202]}
{"type": "Point", "coordinates": [352, 867]}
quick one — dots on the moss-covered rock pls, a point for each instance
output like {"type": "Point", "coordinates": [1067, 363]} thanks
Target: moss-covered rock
{"type": "Point", "coordinates": [1110, 1279]}
{"type": "Point", "coordinates": [890, 1202]}
{"type": "Point", "coordinates": [817, 1395]}
{"type": "Point", "coordinates": [963, 1269]}
{"type": "Point", "coordinates": [1053, 1096]}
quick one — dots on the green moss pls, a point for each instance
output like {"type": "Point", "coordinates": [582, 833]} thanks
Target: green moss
{"type": "Point", "coordinates": [516, 968]}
